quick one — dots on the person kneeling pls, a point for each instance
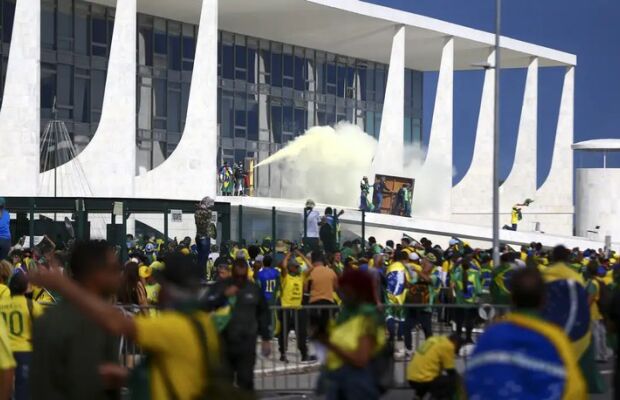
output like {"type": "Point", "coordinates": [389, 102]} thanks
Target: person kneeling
{"type": "Point", "coordinates": [431, 370]}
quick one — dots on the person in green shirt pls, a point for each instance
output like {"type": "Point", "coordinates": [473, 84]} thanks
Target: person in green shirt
{"type": "Point", "coordinates": [467, 287]}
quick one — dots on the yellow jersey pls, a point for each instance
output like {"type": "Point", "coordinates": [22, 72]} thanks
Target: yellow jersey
{"type": "Point", "coordinates": [292, 290]}
{"type": "Point", "coordinates": [172, 341]}
{"type": "Point", "coordinates": [594, 289]}
{"type": "Point", "coordinates": [6, 355]}
{"type": "Point", "coordinates": [5, 292]}
{"type": "Point", "coordinates": [18, 316]}
{"type": "Point", "coordinates": [346, 336]}
{"type": "Point", "coordinates": [514, 216]}
{"type": "Point", "coordinates": [432, 357]}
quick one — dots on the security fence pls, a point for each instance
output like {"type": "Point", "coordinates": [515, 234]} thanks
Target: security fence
{"type": "Point", "coordinates": [293, 333]}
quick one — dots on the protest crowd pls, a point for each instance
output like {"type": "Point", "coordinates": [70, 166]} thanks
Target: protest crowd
{"type": "Point", "coordinates": [201, 312]}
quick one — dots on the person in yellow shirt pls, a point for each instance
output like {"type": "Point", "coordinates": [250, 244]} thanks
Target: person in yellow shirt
{"type": "Point", "coordinates": [291, 316]}
{"type": "Point", "coordinates": [6, 270]}
{"type": "Point", "coordinates": [353, 340]}
{"type": "Point", "coordinates": [599, 333]}
{"type": "Point", "coordinates": [18, 313]}
{"type": "Point", "coordinates": [7, 364]}
{"type": "Point", "coordinates": [432, 369]}
{"type": "Point", "coordinates": [183, 346]}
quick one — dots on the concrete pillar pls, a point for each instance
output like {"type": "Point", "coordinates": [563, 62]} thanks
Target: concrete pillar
{"type": "Point", "coordinates": [108, 162]}
{"type": "Point", "coordinates": [473, 194]}
{"type": "Point", "coordinates": [433, 183]}
{"type": "Point", "coordinates": [20, 121]}
{"type": "Point", "coordinates": [521, 182]}
{"type": "Point", "coordinates": [196, 153]}
{"type": "Point", "coordinates": [389, 156]}
{"type": "Point", "coordinates": [554, 199]}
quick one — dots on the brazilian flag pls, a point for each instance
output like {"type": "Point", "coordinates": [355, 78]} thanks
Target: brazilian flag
{"type": "Point", "coordinates": [524, 357]}
{"type": "Point", "coordinates": [567, 306]}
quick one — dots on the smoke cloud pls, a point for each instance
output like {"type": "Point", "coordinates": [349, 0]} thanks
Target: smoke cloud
{"type": "Point", "coordinates": [325, 164]}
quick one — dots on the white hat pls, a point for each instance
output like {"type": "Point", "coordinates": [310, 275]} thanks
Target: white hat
{"type": "Point", "coordinates": [413, 256]}
{"type": "Point", "coordinates": [452, 242]}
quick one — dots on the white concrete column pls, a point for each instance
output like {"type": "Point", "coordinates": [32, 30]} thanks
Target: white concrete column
{"type": "Point", "coordinates": [473, 194]}
{"type": "Point", "coordinates": [191, 170]}
{"type": "Point", "coordinates": [555, 196]}
{"type": "Point", "coordinates": [20, 121]}
{"type": "Point", "coordinates": [521, 182]}
{"type": "Point", "coordinates": [108, 162]}
{"type": "Point", "coordinates": [389, 156]}
{"type": "Point", "coordinates": [433, 183]}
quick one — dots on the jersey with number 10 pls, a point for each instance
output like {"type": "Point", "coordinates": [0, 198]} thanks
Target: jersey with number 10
{"type": "Point", "coordinates": [269, 281]}
{"type": "Point", "coordinates": [18, 316]}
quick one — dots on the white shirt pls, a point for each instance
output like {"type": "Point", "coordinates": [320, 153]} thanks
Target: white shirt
{"type": "Point", "coordinates": [312, 224]}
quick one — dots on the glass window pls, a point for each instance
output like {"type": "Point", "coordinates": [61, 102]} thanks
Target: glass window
{"type": "Point", "coordinates": [48, 85]}
{"type": "Point", "coordinates": [300, 121]}
{"type": "Point", "coordinates": [174, 55]}
{"type": "Point", "coordinates": [81, 31]}
{"type": "Point", "coordinates": [97, 88]}
{"type": "Point", "coordinates": [252, 125]}
{"type": "Point", "coordinates": [159, 97]}
{"type": "Point", "coordinates": [64, 85]}
{"type": "Point", "coordinates": [252, 65]}
{"type": "Point", "coordinates": [81, 100]}
{"type": "Point", "coordinates": [342, 75]}
{"type": "Point", "coordinates": [145, 46]}
{"type": "Point", "coordinates": [174, 111]}
{"type": "Point", "coordinates": [48, 26]}
{"type": "Point", "coordinates": [160, 43]}
{"type": "Point", "coordinates": [276, 123]}
{"type": "Point", "coordinates": [144, 104]}
{"type": "Point", "coordinates": [227, 123]}
{"type": "Point", "coordinates": [228, 61]}
{"type": "Point", "coordinates": [65, 24]}
{"type": "Point", "coordinates": [276, 66]}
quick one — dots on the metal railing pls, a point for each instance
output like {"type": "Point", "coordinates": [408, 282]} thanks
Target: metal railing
{"type": "Point", "coordinates": [299, 375]}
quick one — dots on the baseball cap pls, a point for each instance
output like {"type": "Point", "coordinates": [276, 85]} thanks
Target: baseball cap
{"type": "Point", "coordinates": [452, 242]}
{"type": "Point", "coordinates": [259, 258]}
{"type": "Point", "coordinates": [413, 256]}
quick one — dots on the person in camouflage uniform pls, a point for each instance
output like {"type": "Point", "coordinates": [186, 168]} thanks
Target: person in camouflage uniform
{"type": "Point", "coordinates": [205, 231]}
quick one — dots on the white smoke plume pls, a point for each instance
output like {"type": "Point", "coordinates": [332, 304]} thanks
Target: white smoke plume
{"type": "Point", "coordinates": [326, 164]}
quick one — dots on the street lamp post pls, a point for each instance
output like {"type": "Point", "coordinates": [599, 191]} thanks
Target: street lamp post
{"type": "Point", "coordinates": [498, 17]}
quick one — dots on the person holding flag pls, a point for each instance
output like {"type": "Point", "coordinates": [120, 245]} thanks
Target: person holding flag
{"type": "Point", "coordinates": [567, 306]}
{"type": "Point", "coordinates": [524, 356]}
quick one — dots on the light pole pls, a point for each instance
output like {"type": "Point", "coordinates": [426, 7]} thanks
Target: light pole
{"type": "Point", "coordinates": [498, 17]}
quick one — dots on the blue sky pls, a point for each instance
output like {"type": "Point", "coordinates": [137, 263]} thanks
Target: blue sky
{"type": "Point", "coordinates": [587, 28]}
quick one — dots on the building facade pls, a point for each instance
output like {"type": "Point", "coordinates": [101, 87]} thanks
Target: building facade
{"type": "Point", "coordinates": [156, 94]}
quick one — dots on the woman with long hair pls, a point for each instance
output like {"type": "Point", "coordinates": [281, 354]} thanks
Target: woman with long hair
{"type": "Point", "coordinates": [132, 291]}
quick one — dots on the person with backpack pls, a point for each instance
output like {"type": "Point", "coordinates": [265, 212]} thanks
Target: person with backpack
{"type": "Point", "coordinates": [18, 313]}
{"type": "Point", "coordinates": [598, 298]}
{"type": "Point", "coordinates": [181, 343]}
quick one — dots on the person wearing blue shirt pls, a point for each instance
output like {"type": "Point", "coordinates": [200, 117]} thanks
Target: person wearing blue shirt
{"type": "Point", "coordinates": [5, 231]}
{"type": "Point", "coordinates": [268, 279]}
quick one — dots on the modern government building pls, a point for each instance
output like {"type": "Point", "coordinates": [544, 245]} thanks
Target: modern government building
{"type": "Point", "coordinates": [155, 94]}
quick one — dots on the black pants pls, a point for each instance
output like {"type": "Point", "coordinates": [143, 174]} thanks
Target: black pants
{"type": "Point", "coordinates": [5, 247]}
{"type": "Point", "coordinates": [417, 316]}
{"type": "Point", "coordinates": [442, 387]}
{"type": "Point", "coordinates": [319, 318]}
{"type": "Point", "coordinates": [513, 227]}
{"type": "Point", "coordinates": [311, 244]}
{"type": "Point", "coordinates": [293, 320]}
{"type": "Point", "coordinates": [465, 317]}
{"type": "Point", "coordinates": [241, 357]}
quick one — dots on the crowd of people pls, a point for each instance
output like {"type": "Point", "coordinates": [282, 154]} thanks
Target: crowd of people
{"type": "Point", "coordinates": [200, 321]}
{"type": "Point", "coordinates": [234, 180]}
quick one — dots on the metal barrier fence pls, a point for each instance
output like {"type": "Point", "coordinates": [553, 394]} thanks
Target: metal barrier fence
{"type": "Point", "coordinates": [292, 334]}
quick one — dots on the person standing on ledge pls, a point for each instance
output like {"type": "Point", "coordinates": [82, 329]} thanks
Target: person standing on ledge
{"type": "Point", "coordinates": [378, 189]}
{"type": "Point", "coordinates": [364, 191]}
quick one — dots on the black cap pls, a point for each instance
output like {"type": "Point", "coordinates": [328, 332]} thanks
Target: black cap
{"type": "Point", "coordinates": [180, 270]}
